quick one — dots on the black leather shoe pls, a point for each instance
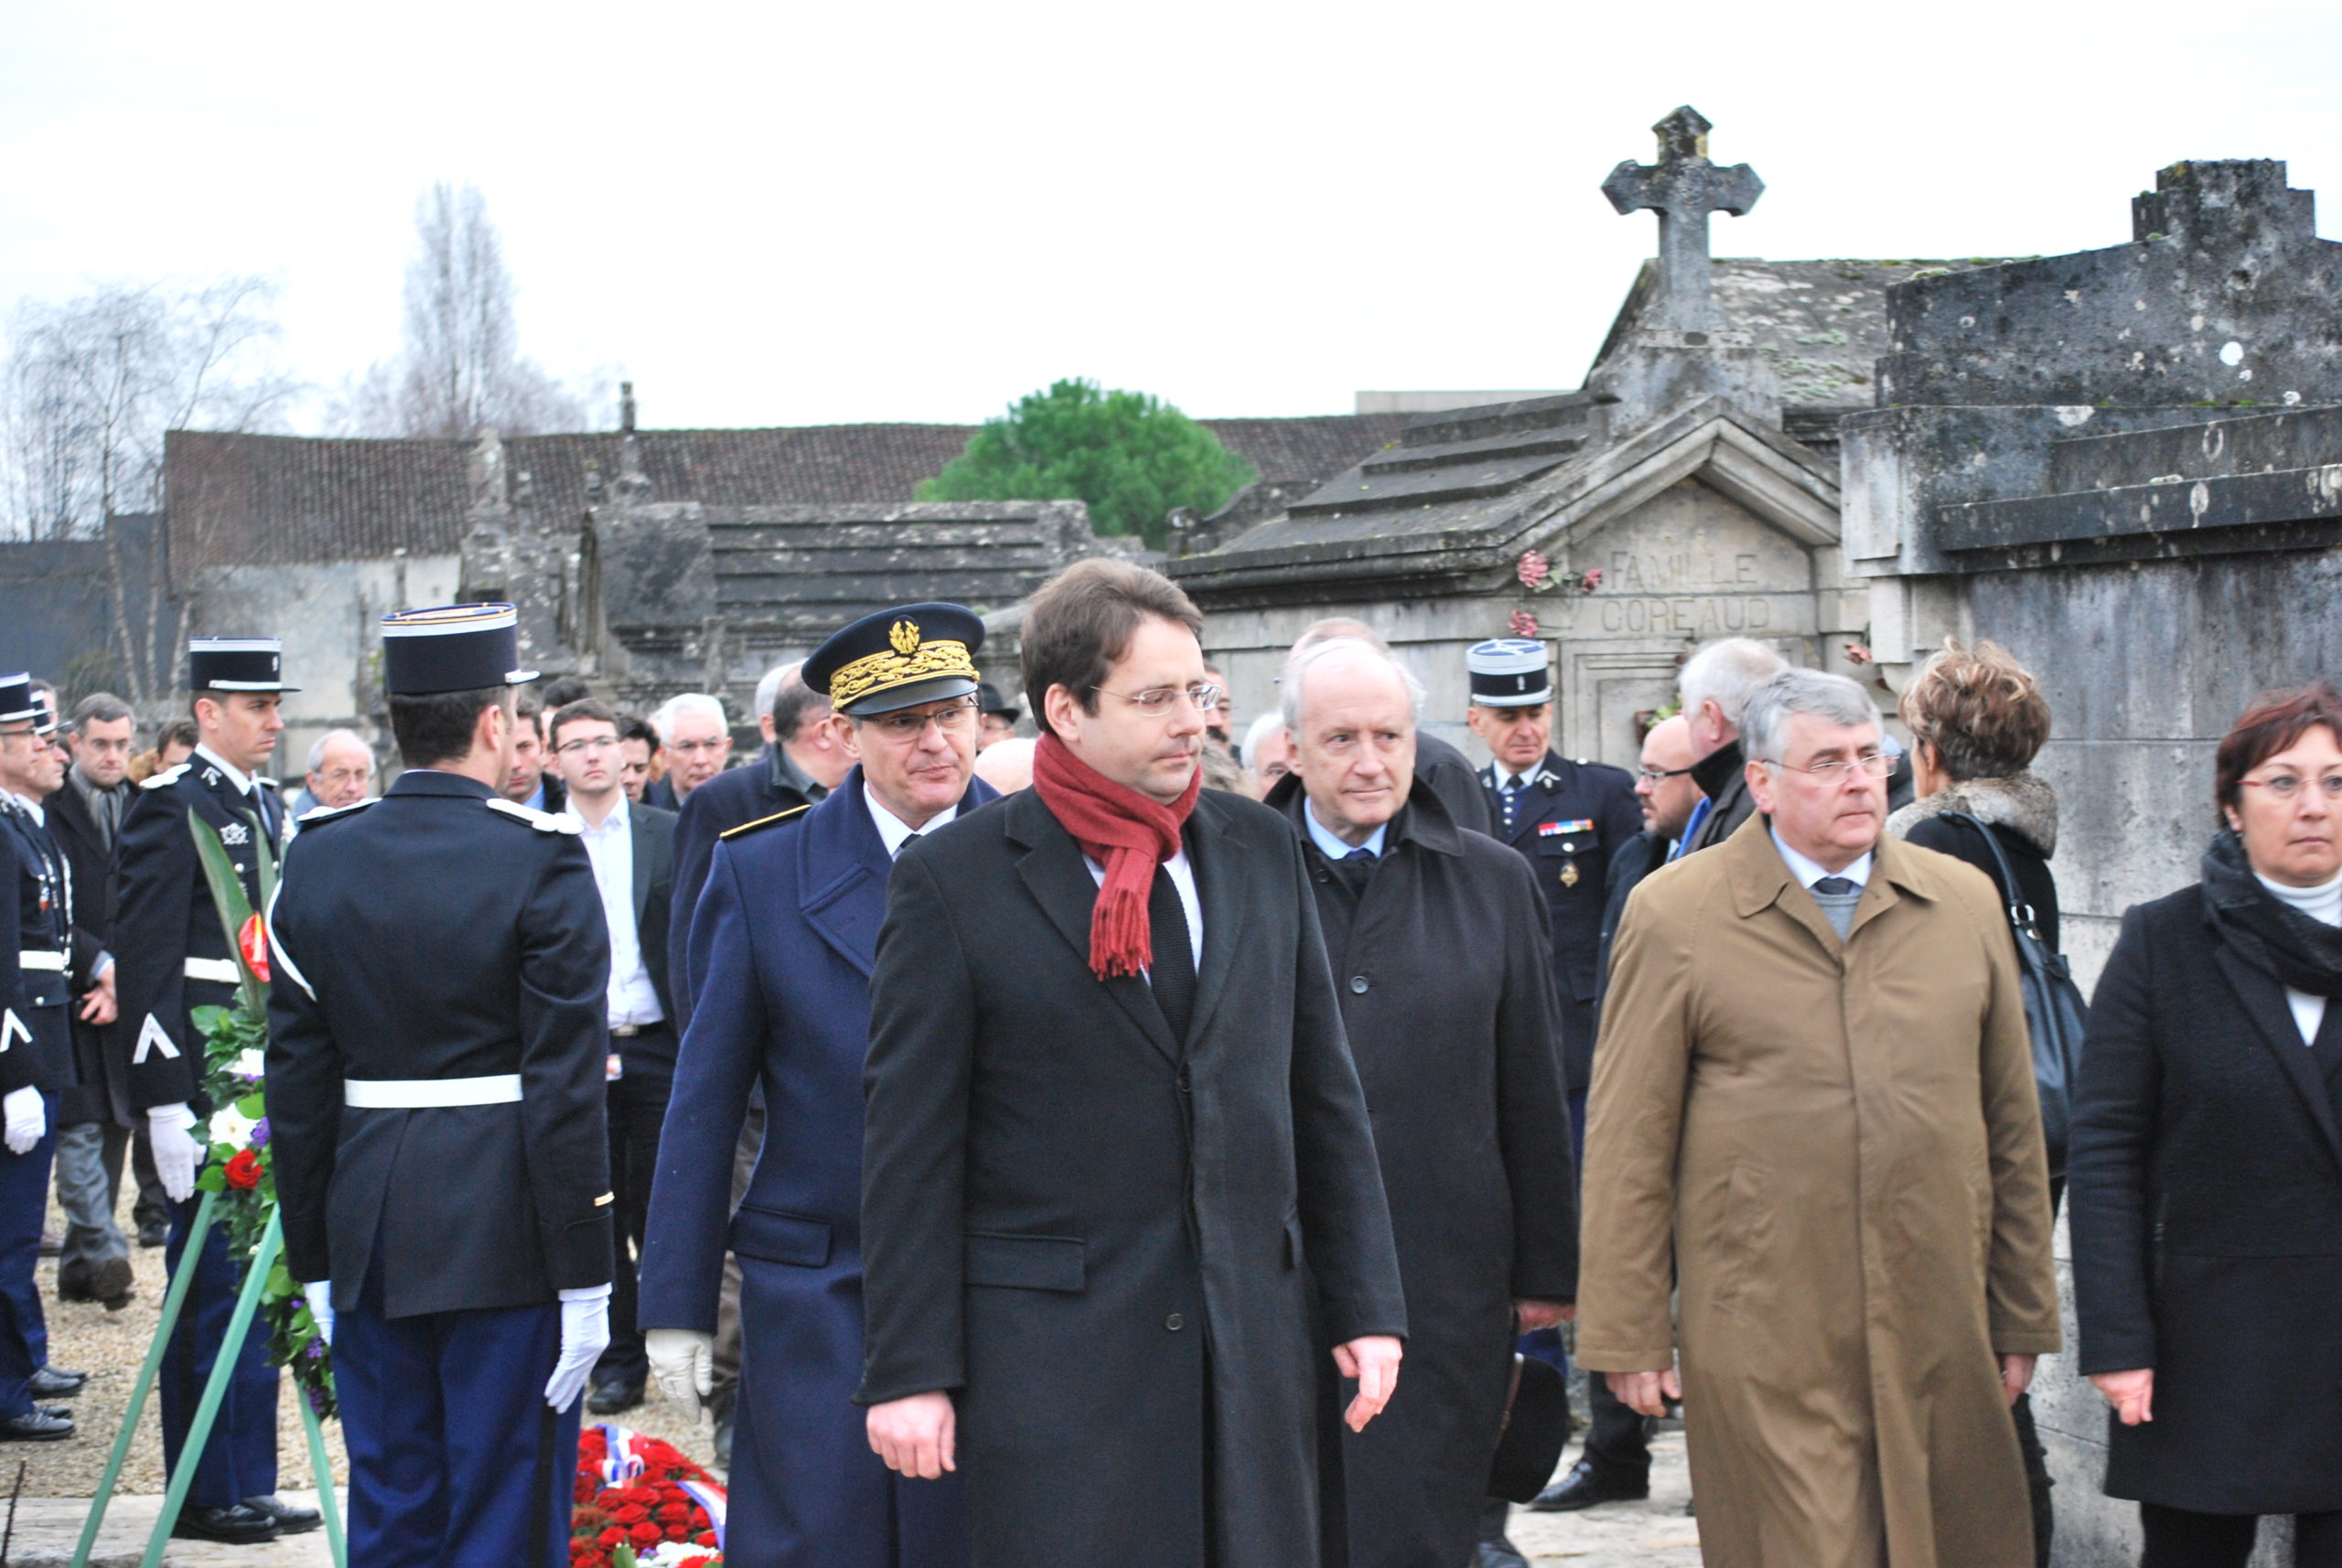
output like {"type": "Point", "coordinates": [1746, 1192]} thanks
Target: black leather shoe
{"type": "Point", "coordinates": [290, 1520]}
{"type": "Point", "coordinates": [1583, 1487]}
{"type": "Point", "coordinates": [36, 1425]}
{"type": "Point", "coordinates": [608, 1399]}
{"type": "Point", "coordinates": [723, 1426]}
{"type": "Point", "coordinates": [239, 1524]}
{"type": "Point", "coordinates": [153, 1236]}
{"type": "Point", "coordinates": [56, 1383]}
{"type": "Point", "coordinates": [1499, 1553]}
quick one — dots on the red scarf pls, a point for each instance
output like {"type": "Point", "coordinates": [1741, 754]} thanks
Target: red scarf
{"type": "Point", "coordinates": [1128, 834]}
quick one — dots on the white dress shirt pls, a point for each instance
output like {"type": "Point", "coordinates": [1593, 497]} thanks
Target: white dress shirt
{"type": "Point", "coordinates": [895, 833]}
{"type": "Point", "coordinates": [633, 999]}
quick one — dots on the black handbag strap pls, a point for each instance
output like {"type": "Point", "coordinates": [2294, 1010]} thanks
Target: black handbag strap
{"type": "Point", "coordinates": [2021, 915]}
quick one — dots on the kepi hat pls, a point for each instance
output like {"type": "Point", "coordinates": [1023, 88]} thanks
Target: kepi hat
{"type": "Point", "coordinates": [452, 648]}
{"type": "Point", "coordinates": [20, 701]}
{"type": "Point", "coordinates": [1509, 673]}
{"type": "Point", "coordinates": [990, 701]}
{"type": "Point", "coordinates": [898, 658]}
{"type": "Point", "coordinates": [236, 664]}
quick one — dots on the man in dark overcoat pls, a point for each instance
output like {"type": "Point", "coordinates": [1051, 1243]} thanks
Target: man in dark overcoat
{"type": "Point", "coordinates": [1120, 1191]}
{"type": "Point", "coordinates": [173, 958]}
{"type": "Point", "coordinates": [437, 1035]}
{"type": "Point", "coordinates": [1438, 940]}
{"type": "Point", "coordinates": [787, 933]}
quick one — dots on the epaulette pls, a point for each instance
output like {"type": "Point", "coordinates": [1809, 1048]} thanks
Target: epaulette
{"type": "Point", "coordinates": [316, 814]}
{"type": "Point", "coordinates": [262, 781]}
{"type": "Point", "coordinates": [763, 822]}
{"type": "Point", "coordinates": [166, 779]}
{"type": "Point", "coordinates": [543, 822]}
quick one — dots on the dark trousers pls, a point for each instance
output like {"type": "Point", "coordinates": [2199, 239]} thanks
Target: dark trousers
{"type": "Point", "coordinates": [23, 1333]}
{"type": "Point", "coordinates": [153, 1207]}
{"type": "Point", "coordinates": [638, 1106]}
{"type": "Point", "coordinates": [453, 1454]}
{"type": "Point", "coordinates": [239, 1460]}
{"type": "Point", "coordinates": [2178, 1539]}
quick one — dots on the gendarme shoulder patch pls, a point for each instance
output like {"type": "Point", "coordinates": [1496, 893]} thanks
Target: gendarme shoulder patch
{"type": "Point", "coordinates": [543, 822]}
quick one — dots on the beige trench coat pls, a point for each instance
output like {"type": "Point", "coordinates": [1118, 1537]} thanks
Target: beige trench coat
{"type": "Point", "coordinates": [1834, 1149]}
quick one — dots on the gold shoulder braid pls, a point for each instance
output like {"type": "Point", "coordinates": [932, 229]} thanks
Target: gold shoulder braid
{"type": "Point", "coordinates": [763, 822]}
{"type": "Point", "coordinates": [909, 659]}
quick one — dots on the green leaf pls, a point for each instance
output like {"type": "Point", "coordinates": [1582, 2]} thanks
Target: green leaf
{"type": "Point", "coordinates": [211, 1178]}
{"type": "Point", "coordinates": [254, 1105]}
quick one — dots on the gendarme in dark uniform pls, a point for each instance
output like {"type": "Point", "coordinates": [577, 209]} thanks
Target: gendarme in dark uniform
{"type": "Point", "coordinates": [1566, 817]}
{"type": "Point", "coordinates": [175, 958]}
{"type": "Point", "coordinates": [39, 975]}
{"type": "Point", "coordinates": [438, 1027]}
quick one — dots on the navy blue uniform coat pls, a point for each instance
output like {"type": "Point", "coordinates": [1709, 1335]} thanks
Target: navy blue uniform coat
{"type": "Point", "coordinates": [1102, 1238]}
{"type": "Point", "coordinates": [784, 942]}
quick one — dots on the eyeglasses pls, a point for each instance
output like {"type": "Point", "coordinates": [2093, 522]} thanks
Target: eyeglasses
{"type": "Point", "coordinates": [1156, 702]}
{"type": "Point", "coordinates": [589, 744]}
{"type": "Point", "coordinates": [909, 727]}
{"type": "Point", "coordinates": [1660, 775]}
{"type": "Point", "coordinates": [2285, 786]}
{"type": "Point", "coordinates": [1872, 765]}
{"type": "Point", "coordinates": [693, 747]}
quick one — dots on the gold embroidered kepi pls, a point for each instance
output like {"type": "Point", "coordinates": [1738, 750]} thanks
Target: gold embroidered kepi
{"type": "Point", "coordinates": [898, 658]}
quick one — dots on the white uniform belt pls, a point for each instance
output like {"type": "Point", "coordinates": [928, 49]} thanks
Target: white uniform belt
{"type": "Point", "coordinates": [53, 962]}
{"type": "Point", "coordinates": [219, 970]}
{"type": "Point", "coordinates": [429, 1093]}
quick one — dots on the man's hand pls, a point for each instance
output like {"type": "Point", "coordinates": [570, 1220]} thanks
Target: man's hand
{"type": "Point", "coordinates": [916, 1436]}
{"type": "Point", "coordinates": [1645, 1393]}
{"type": "Point", "coordinates": [97, 1003]}
{"type": "Point", "coordinates": [2017, 1375]}
{"type": "Point", "coordinates": [1372, 1361]}
{"type": "Point", "coordinates": [170, 1134]}
{"type": "Point", "coordinates": [683, 1361]}
{"type": "Point", "coordinates": [2132, 1394]}
{"type": "Point", "coordinates": [1533, 1316]}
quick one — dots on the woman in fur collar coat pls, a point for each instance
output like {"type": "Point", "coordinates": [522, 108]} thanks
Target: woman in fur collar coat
{"type": "Point", "coordinates": [1977, 718]}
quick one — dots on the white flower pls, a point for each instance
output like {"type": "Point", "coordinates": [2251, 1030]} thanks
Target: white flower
{"type": "Point", "coordinates": [232, 1127]}
{"type": "Point", "coordinates": [252, 1064]}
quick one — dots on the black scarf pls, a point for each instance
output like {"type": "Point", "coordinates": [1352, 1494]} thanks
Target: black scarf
{"type": "Point", "coordinates": [2265, 931]}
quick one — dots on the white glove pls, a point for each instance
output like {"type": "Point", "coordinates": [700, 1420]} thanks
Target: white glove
{"type": "Point", "coordinates": [175, 1152]}
{"type": "Point", "coordinates": [584, 1335]}
{"type": "Point", "coordinates": [26, 1119]}
{"type": "Point", "coordinates": [683, 1361]}
{"type": "Point", "coordinates": [319, 1294]}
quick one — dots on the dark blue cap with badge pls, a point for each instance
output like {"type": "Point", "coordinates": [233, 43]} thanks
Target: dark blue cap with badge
{"type": "Point", "coordinates": [236, 664]}
{"type": "Point", "coordinates": [1509, 673]}
{"type": "Point", "coordinates": [898, 658]}
{"type": "Point", "coordinates": [452, 648]}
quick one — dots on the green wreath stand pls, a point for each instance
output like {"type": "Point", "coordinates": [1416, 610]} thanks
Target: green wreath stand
{"type": "Point", "coordinates": [228, 1037]}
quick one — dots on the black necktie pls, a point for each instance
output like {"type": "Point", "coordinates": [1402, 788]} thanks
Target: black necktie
{"type": "Point", "coordinates": [1173, 969]}
{"type": "Point", "coordinates": [1837, 887]}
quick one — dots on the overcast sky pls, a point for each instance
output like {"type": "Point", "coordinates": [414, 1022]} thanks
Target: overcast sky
{"type": "Point", "coordinates": [785, 214]}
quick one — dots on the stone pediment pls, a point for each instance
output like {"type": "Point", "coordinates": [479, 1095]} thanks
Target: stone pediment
{"type": "Point", "coordinates": [1454, 503]}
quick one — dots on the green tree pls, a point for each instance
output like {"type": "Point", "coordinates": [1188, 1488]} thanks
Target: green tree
{"type": "Point", "coordinates": [1131, 456]}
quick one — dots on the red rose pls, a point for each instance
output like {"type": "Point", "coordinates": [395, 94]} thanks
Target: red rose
{"type": "Point", "coordinates": [647, 1534]}
{"type": "Point", "coordinates": [678, 1532]}
{"type": "Point", "coordinates": [630, 1514]}
{"type": "Point", "coordinates": [705, 1538]}
{"type": "Point", "coordinates": [244, 1171]}
{"type": "Point", "coordinates": [610, 1539]}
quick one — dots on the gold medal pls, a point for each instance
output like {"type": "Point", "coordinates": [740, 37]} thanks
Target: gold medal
{"type": "Point", "coordinates": [1569, 874]}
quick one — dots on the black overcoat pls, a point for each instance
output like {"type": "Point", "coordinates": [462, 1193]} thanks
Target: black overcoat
{"type": "Point", "coordinates": [1104, 1242]}
{"type": "Point", "coordinates": [102, 1091]}
{"type": "Point", "coordinates": [1442, 966]}
{"type": "Point", "coordinates": [2205, 1187]}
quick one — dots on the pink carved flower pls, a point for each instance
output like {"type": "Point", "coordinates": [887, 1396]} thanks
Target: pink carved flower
{"type": "Point", "coordinates": [1533, 570]}
{"type": "Point", "coordinates": [1858, 654]}
{"type": "Point", "coordinates": [1591, 581]}
{"type": "Point", "coordinates": [1522, 624]}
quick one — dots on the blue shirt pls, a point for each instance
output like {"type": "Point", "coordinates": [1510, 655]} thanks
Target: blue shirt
{"type": "Point", "coordinates": [1334, 848]}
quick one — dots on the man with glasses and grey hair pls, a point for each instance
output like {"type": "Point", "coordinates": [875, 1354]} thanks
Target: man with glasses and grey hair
{"type": "Point", "coordinates": [696, 739]}
{"type": "Point", "coordinates": [1816, 1197]}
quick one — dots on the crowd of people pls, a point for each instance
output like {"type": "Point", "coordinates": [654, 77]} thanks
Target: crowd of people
{"type": "Point", "coordinates": [1126, 1135]}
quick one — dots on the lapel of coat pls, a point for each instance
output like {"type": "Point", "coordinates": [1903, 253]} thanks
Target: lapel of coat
{"type": "Point", "coordinates": [2264, 1003]}
{"type": "Point", "coordinates": [638, 828]}
{"type": "Point", "coordinates": [1221, 876]}
{"type": "Point", "coordinates": [1760, 877]}
{"type": "Point", "coordinates": [1055, 873]}
{"type": "Point", "coordinates": [842, 867]}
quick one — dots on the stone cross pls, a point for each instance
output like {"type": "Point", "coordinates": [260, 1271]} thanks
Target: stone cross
{"type": "Point", "coordinates": [1684, 187]}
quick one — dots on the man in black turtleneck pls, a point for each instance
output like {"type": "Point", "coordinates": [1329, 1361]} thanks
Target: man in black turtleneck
{"type": "Point", "coordinates": [1440, 943]}
{"type": "Point", "coordinates": [1715, 686]}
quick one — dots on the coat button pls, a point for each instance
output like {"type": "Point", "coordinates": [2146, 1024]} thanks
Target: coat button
{"type": "Point", "coordinates": [1174, 1323]}
{"type": "Point", "coordinates": [1358, 985]}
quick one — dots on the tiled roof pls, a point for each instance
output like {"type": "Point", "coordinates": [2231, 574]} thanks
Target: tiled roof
{"type": "Point", "coordinates": [251, 500]}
